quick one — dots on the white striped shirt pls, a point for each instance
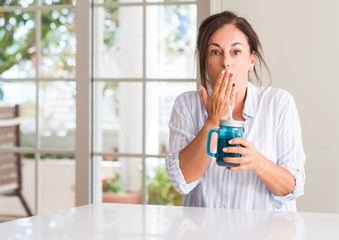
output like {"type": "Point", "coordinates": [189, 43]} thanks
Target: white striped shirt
{"type": "Point", "coordinates": [271, 124]}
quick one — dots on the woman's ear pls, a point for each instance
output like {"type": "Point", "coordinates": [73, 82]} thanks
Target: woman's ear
{"type": "Point", "coordinates": [252, 61]}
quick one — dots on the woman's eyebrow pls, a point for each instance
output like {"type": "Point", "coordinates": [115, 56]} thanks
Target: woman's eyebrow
{"type": "Point", "coordinates": [215, 44]}
{"type": "Point", "coordinates": [232, 45]}
{"type": "Point", "coordinates": [236, 43]}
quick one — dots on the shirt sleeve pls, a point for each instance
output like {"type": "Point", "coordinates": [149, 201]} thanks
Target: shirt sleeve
{"type": "Point", "coordinates": [290, 152]}
{"type": "Point", "coordinates": [182, 132]}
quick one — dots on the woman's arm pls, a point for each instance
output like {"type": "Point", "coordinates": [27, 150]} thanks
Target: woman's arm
{"type": "Point", "coordinates": [277, 179]}
{"type": "Point", "coordinates": [287, 174]}
{"type": "Point", "coordinates": [193, 159]}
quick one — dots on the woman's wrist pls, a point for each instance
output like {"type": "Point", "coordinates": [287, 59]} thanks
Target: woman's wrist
{"type": "Point", "coordinates": [212, 123]}
{"type": "Point", "coordinates": [263, 166]}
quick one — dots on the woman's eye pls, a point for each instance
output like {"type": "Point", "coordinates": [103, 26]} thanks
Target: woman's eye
{"type": "Point", "coordinates": [215, 52]}
{"type": "Point", "coordinates": [236, 52]}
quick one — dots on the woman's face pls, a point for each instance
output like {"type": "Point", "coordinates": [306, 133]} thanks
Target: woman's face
{"type": "Point", "coordinates": [228, 48]}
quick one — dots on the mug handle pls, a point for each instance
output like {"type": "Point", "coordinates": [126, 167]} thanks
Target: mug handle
{"type": "Point", "coordinates": [209, 142]}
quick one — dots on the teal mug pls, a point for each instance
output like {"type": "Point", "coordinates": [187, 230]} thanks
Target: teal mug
{"type": "Point", "coordinates": [228, 129]}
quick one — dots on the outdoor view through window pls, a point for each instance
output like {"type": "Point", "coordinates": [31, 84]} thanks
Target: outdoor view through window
{"type": "Point", "coordinates": [143, 57]}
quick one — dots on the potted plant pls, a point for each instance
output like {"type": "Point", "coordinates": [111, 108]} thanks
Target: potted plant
{"type": "Point", "coordinates": [160, 190]}
{"type": "Point", "coordinates": [114, 192]}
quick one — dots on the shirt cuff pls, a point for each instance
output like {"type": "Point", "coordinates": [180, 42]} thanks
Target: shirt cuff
{"type": "Point", "coordinates": [176, 176]}
{"type": "Point", "coordinates": [298, 190]}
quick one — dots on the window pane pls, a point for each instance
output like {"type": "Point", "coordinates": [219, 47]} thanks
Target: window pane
{"type": "Point", "coordinates": [17, 41]}
{"type": "Point", "coordinates": [159, 188]}
{"type": "Point", "coordinates": [160, 97]}
{"type": "Point", "coordinates": [171, 41]}
{"type": "Point", "coordinates": [11, 206]}
{"type": "Point", "coordinates": [22, 94]}
{"type": "Point", "coordinates": [58, 2]}
{"type": "Point", "coordinates": [57, 181]}
{"type": "Point", "coordinates": [118, 42]}
{"type": "Point", "coordinates": [20, 3]}
{"type": "Point", "coordinates": [58, 44]}
{"type": "Point", "coordinates": [120, 1]}
{"type": "Point", "coordinates": [118, 117]}
{"type": "Point", "coordinates": [170, 0]}
{"type": "Point", "coordinates": [122, 180]}
{"type": "Point", "coordinates": [57, 115]}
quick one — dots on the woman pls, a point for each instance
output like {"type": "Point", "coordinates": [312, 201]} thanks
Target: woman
{"type": "Point", "coordinates": [271, 172]}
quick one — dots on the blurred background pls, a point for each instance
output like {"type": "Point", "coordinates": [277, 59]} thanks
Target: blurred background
{"type": "Point", "coordinates": [141, 57]}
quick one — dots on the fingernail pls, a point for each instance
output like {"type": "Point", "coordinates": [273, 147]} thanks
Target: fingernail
{"type": "Point", "coordinates": [223, 72]}
{"type": "Point", "coordinates": [228, 70]}
{"type": "Point", "coordinates": [225, 159]}
{"type": "Point", "coordinates": [224, 149]}
{"type": "Point", "coordinates": [230, 141]}
{"type": "Point", "coordinates": [233, 84]}
{"type": "Point", "coordinates": [231, 74]}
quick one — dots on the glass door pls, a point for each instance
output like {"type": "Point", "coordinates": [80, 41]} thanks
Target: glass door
{"type": "Point", "coordinates": [37, 73]}
{"type": "Point", "coordinates": [143, 57]}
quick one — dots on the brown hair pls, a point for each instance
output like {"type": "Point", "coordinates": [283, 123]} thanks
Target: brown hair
{"type": "Point", "coordinates": [217, 21]}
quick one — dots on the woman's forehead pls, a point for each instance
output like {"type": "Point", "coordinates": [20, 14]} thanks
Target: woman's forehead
{"type": "Point", "coordinates": [228, 35]}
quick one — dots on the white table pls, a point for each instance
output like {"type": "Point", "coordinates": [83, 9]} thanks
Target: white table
{"type": "Point", "coordinates": [127, 221]}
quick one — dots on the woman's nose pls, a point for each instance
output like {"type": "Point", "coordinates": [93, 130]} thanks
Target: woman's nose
{"type": "Point", "coordinates": [226, 62]}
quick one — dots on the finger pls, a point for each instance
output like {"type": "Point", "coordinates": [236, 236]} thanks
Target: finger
{"type": "Point", "coordinates": [242, 141]}
{"type": "Point", "coordinates": [218, 83]}
{"type": "Point", "coordinates": [229, 86]}
{"type": "Point", "coordinates": [233, 92]}
{"type": "Point", "coordinates": [224, 83]}
{"type": "Point", "coordinates": [236, 150]}
{"type": "Point", "coordinates": [204, 95]}
{"type": "Point", "coordinates": [239, 168]}
{"type": "Point", "coordinates": [240, 160]}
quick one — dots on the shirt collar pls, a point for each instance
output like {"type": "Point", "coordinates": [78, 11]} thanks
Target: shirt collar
{"type": "Point", "coordinates": [250, 108]}
{"type": "Point", "coordinates": [209, 92]}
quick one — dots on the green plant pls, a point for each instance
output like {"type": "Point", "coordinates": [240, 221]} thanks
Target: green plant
{"type": "Point", "coordinates": [1, 94]}
{"type": "Point", "coordinates": [112, 185]}
{"type": "Point", "coordinates": [160, 190]}
{"type": "Point", "coordinates": [114, 87]}
{"type": "Point", "coordinates": [15, 49]}
{"type": "Point", "coordinates": [163, 148]}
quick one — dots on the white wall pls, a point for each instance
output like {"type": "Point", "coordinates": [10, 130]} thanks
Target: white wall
{"type": "Point", "coordinates": [301, 43]}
